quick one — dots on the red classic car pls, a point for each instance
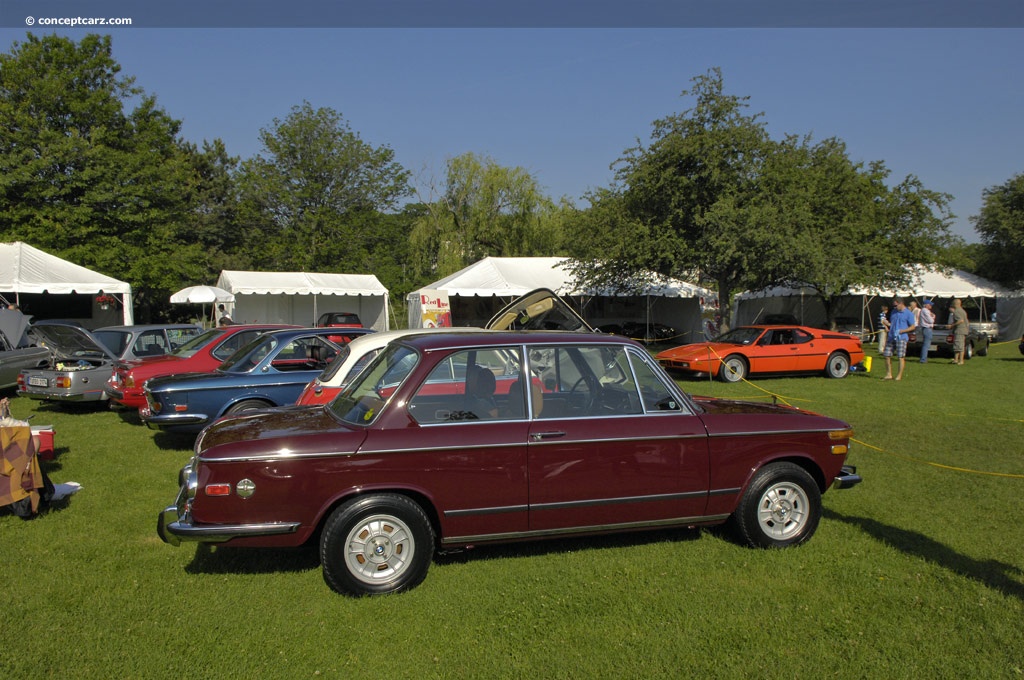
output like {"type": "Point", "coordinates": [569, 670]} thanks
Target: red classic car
{"type": "Point", "coordinates": [763, 350]}
{"type": "Point", "coordinates": [393, 468]}
{"type": "Point", "coordinates": [201, 354]}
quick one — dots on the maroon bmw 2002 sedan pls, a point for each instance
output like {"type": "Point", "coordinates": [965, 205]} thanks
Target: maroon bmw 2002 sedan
{"type": "Point", "coordinates": [420, 453]}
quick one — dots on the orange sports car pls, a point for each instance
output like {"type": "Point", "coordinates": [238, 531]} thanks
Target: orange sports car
{"type": "Point", "coordinates": [761, 350]}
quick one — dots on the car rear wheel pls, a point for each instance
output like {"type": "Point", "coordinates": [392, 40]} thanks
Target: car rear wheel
{"type": "Point", "coordinates": [733, 369]}
{"type": "Point", "coordinates": [838, 365]}
{"type": "Point", "coordinates": [247, 405]}
{"type": "Point", "coordinates": [376, 544]}
{"type": "Point", "coordinates": [968, 350]}
{"type": "Point", "coordinates": [781, 507]}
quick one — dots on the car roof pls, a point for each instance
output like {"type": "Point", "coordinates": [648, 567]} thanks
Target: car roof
{"type": "Point", "coordinates": [482, 338]}
{"type": "Point", "coordinates": [286, 332]}
{"type": "Point", "coordinates": [146, 327]}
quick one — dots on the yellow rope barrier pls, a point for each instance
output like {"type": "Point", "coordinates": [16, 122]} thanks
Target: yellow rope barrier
{"type": "Point", "coordinates": [904, 457]}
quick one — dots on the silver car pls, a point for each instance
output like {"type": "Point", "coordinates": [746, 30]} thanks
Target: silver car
{"type": "Point", "coordinates": [82, 361]}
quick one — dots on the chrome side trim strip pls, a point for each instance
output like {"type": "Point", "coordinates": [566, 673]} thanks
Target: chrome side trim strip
{"type": "Point", "coordinates": [597, 528]}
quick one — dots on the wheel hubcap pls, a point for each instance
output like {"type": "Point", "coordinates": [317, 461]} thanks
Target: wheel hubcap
{"type": "Point", "coordinates": [783, 510]}
{"type": "Point", "coordinates": [379, 548]}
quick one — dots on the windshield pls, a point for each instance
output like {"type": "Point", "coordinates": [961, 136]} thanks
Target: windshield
{"type": "Point", "coordinates": [249, 356]}
{"type": "Point", "coordinates": [740, 336]}
{"type": "Point", "coordinates": [360, 403]}
{"type": "Point", "coordinates": [198, 342]}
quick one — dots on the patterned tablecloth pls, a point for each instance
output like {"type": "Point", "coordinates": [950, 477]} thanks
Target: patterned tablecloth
{"type": "Point", "coordinates": [20, 475]}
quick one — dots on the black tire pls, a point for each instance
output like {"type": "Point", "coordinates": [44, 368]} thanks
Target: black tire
{"type": "Point", "coordinates": [376, 544]}
{"type": "Point", "coordinates": [781, 507]}
{"type": "Point", "coordinates": [733, 369]}
{"type": "Point", "coordinates": [968, 350]}
{"type": "Point", "coordinates": [247, 405]}
{"type": "Point", "coordinates": [838, 365]}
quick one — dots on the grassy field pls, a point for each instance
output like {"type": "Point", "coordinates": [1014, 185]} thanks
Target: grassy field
{"type": "Point", "coordinates": [916, 573]}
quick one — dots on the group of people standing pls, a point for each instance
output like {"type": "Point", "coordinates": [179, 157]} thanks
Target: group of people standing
{"type": "Point", "coordinates": [903, 321]}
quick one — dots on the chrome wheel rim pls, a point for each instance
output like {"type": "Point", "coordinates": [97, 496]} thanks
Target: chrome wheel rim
{"type": "Point", "coordinates": [379, 548]}
{"type": "Point", "coordinates": [783, 510]}
{"type": "Point", "coordinates": [734, 370]}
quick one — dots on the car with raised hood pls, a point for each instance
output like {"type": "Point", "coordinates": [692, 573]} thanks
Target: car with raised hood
{"type": "Point", "coordinates": [540, 308]}
{"type": "Point", "coordinates": [17, 350]}
{"type": "Point", "coordinates": [201, 354]}
{"type": "Point", "coordinates": [767, 350]}
{"type": "Point", "coordinates": [81, 361]}
{"type": "Point", "coordinates": [393, 469]}
{"type": "Point", "coordinates": [270, 371]}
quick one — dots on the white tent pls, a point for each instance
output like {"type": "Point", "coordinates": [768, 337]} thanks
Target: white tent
{"type": "Point", "coordinates": [301, 297]}
{"type": "Point", "coordinates": [25, 270]}
{"type": "Point", "coordinates": [481, 289]}
{"type": "Point", "coordinates": [864, 303]}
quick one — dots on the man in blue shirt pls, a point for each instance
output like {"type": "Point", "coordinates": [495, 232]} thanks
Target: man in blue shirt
{"type": "Point", "coordinates": [901, 324]}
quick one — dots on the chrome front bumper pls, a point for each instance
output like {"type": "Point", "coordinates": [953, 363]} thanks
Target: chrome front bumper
{"type": "Point", "coordinates": [846, 478]}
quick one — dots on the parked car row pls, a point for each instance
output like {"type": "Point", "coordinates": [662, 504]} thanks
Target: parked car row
{"type": "Point", "coordinates": [384, 448]}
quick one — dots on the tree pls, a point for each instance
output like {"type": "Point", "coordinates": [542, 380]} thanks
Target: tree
{"type": "Point", "coordinates": [484, 209]}
{"type": "Point", "coordinates": [1001, 226]}
{"type": "Point", "coordinates": [301, 196]}
{"type": "Point", "coordinates": [87, 177]}
{"type": "Point", "coordinates": [714, 197]}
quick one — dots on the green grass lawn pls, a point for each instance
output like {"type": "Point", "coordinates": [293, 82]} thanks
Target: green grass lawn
{"type": "Point", "coordinates": [916, 573]}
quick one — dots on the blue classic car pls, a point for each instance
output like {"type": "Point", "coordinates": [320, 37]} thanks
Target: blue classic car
{"type": "Point", "coordinates": [270, 371]}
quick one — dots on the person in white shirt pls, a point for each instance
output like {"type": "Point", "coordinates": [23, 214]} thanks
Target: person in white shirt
{"type": "Point", "coordinates": [926, 323]}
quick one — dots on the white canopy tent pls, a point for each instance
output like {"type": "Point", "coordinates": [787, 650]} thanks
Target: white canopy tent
{"type": "Point", "coordinates": [25, 270]}
{"type": "Point", "coordinates": [478, 291]}
{"type": "Point", "coordinates": [301, 297]}
{"type": "Point", "coordinates": [864, 303]}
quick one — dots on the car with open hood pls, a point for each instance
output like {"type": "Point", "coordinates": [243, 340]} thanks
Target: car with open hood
{"type": "Point", "coordinates": [17, 350]}
{"type": "Point", "coordinates": [593, 437]}
{"type": "Point", "coordinates": [539, 309]}
{"type": "Point", "coordinates": [201, 354]}
{"type": "Point", "coordinates": [270, 371]}
{"type": "Point", "coordinates": [81, 361]}
{"type": "Point", "coordinates": [767, 350]}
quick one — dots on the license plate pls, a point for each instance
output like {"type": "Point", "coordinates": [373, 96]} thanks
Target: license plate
{"type": "Point", "coordinates": [38, 382]}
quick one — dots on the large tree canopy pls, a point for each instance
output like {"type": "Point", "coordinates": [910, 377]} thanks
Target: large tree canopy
{"type": "Point", "coordinates": [90, 167]}
{"type": "Point", "coordinates": [305, 192]}
{"type": "Point", "coordinates": [1001, 226]}
{"type": "Point", "coordinates": [713, 196]}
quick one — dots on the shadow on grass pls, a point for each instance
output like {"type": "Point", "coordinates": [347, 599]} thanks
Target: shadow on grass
{"type": "Point", "coordinates": [226, 560]}
{"type": "Point", "coordinates": [1006, 578]}
{"type": "Point", "coordinates": [174, 441]}
{"type": "Point", "coordinates": [564, 545]}
{"type": "Point", "coordinates": [214, 560]}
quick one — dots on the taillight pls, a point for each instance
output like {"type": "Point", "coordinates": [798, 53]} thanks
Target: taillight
{"type": "Point", "coordinates": [218, 489]}
{"type": "Point", "coordinates": [129, 381]}
{"type": "Point", "coordinates": [62, 381]}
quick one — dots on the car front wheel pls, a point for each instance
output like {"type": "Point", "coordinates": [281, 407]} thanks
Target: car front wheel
{"type": "Point", "coordinates": [781, 507]}
{"type": "Point", "coordinates": [838, 365]}
{"type": "Point", "coordinates": [376, 544]}
{"type": "Point", "coordinates": [733, 369]}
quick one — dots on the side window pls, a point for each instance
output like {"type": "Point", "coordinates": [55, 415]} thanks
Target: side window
{"type": "Point", "coordinates": [585, 381]}
{"type": "Point", "coordinates": [800, 337]}
{"type": "Point", "coordinates": [472, 385]}
{"type": "Point", "coordinates": [150, 343]}
{"type": "Point", "coordinates": [179, 336]}
{"type": "Point", "coordinates": [655, 394]}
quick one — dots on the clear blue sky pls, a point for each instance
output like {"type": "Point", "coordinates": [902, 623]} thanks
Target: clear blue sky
{"type": "Point", "coordinates": [943, 104]}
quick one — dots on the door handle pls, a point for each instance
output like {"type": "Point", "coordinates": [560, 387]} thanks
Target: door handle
{"type": "Point", "coordinates": [538, 436]}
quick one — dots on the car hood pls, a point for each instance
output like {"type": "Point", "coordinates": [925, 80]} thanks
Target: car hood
{"type": "Point", "coordinates": [13, 325]}
{"type": "Point", "coordinates": [716, 406]}
{"type": "Point", "coordinates": [701, 350]}
{"type": "Point", "coordinates": [539, 310]}
{"type": "Point", "coordinates": [287, 431]}
{"type": "Point", "coordinates": [70, 341]}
